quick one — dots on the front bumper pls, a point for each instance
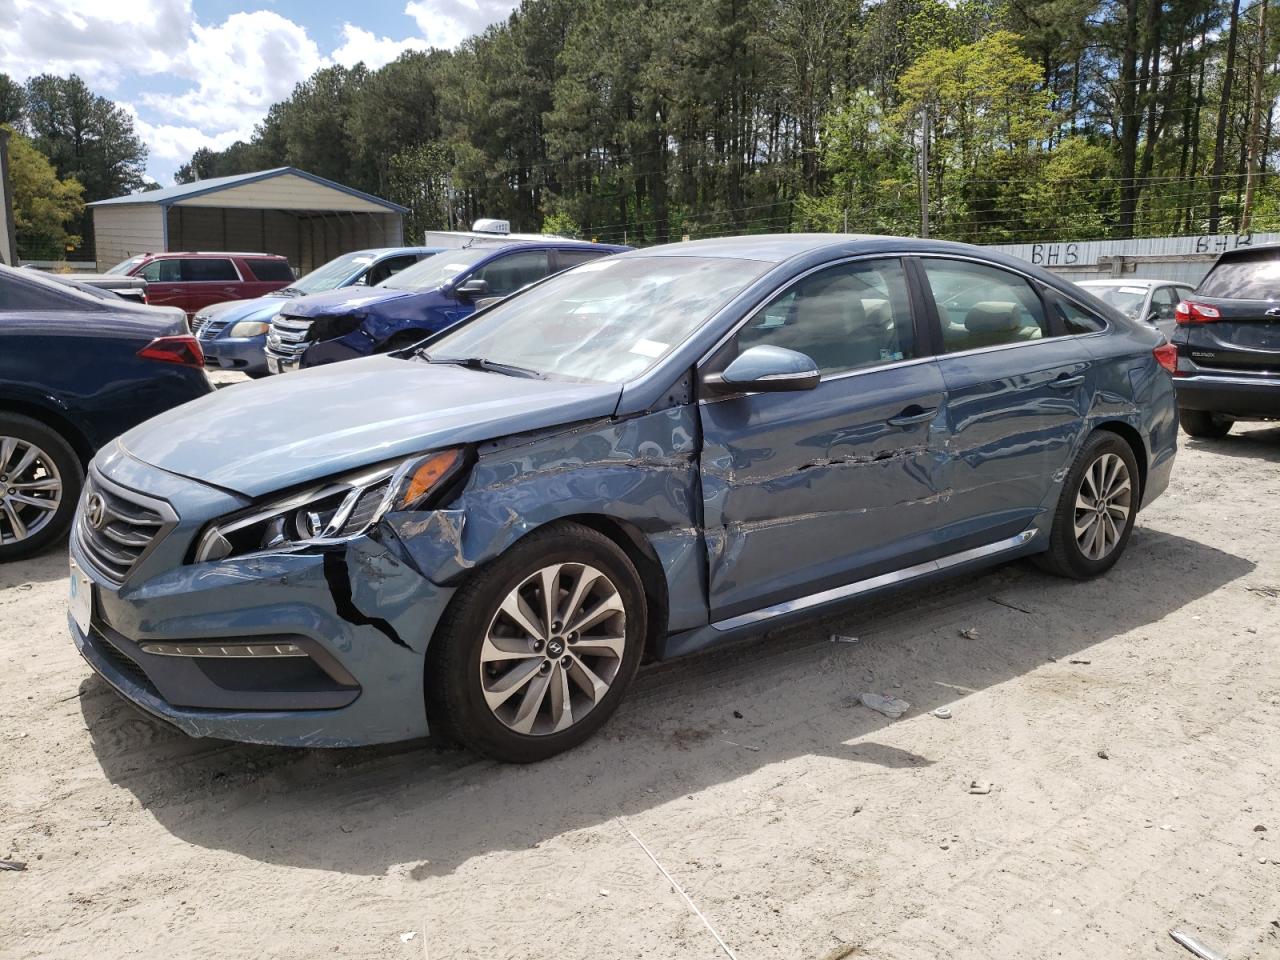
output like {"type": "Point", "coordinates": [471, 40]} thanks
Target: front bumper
{"type": "Point", "coordinates": [361, 613]}
{"type": "Point", "coordinates": [1235, 396]}
{"type": "Point", "coordinates": [245, 354]}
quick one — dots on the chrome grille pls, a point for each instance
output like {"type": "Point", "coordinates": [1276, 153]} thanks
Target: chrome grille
{"type": "Point", "coordinates": [207, 328]}
{"type": "Point", "coordinates": [288, 337]}
{"type": "Point", "coordinates": [117, 527]}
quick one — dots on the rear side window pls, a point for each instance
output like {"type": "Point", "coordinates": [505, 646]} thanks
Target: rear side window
{"type": "Point", "coordinates": [1076, 319]}
{"type": "Point", "coordinates": [161, 271]}
{"type": "Point", "coordinates": [389, 268]}
{"type": "Point", "coordinates": [1251, 276]}
{"type": "Point", "coordinates": [982, 306]}
{"type": "Point", "coordinates": [206, 269]}
{"type": "Point", "coordinates": [571, 258]}
{"type": "Point", "coordinates": [16, 295]}
{"type": "Point", "coordinates": [271, 270]}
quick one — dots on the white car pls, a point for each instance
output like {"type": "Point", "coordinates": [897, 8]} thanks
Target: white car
{"type": "Point", "coordinates": [1151, 300]}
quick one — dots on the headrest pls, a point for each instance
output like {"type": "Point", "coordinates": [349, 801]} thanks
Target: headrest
{"type": "Point", "coordinates": [991, 316]}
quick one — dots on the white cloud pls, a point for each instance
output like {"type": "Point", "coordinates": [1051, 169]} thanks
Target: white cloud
{"type": "Point", "coordinates": [101, 41]}
{"type": "Point", "coordinates": [361, 46]}
{"type": "Point", "coordinates": [446, 23]}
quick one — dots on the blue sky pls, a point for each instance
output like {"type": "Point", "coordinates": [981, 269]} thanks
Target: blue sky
{"type": "Point", "coordinates": [202, 72]}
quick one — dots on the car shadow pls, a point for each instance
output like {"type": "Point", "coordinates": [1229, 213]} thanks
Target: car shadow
{"type": "Point", "coordinates": [44, 567]}
{"type": "Point", "coordinates": [1259, 443]}
{"type": "Point", "coordinates": [686, 725]}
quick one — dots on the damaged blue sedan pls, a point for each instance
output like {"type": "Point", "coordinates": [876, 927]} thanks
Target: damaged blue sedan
{"type": "Point", "coordinates": [484, 535]}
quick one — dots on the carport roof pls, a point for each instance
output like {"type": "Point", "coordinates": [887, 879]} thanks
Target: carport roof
{"type": "Point", "coordinates": [177, 195]}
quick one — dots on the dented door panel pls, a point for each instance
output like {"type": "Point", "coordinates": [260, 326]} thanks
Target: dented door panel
{"type": "Point", "coordinates": [807, 490]}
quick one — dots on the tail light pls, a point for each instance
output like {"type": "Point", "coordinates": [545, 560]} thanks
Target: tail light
{"type": "Point", "coordinates": [184, 350]}
{"type": "Point", "coordinates": [1167, 356]}
{"type": "Point", "coordinates": [1188, 311]}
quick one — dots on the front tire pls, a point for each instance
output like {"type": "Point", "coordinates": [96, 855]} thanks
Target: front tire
{"type": "Point", "coordinates": [538, 648]}
{"type": "Point", "coordinates": [1096, 509]}
{"type": "Point", "coordinates": [40, 481]}
{"type": "Point", "coordinates": [1205, 425]}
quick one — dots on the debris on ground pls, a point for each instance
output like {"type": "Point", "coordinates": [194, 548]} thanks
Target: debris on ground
{"type": "Point", "coordinates": [12, 865]}
{"type": "Point", "coordinates": [744, 746]}
{"type": "Point", "coordinates": [979, 786]}
{"type": "Point", "coordinates": [406, 937]}
{"type": "Point", "coordinates": [1260, 828]}
{"type": "Point", "coordinates": [842, 638]}
{"type": "Point", "coordinates": [1102, 755]}
{"type": "Point", "coordinates": [942, 713]}
{"type": "Point", "coordinates": [891, 707]}
{"type": "Point", "coordinates": [1195, 946]}
{"type": "Point", "coordinates": [1081, 662]}
{"type": "Point", "coordinates": [737, 715]}
{"type": "Point", "coordinates": [970, 633]}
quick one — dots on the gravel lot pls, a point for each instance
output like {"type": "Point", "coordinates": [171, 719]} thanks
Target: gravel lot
{"type": "Point", "coordinates": [1130, 729]}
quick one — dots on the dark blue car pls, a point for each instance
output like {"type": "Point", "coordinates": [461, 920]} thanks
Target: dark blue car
{"type": "Point", "coordinates": [234, 334]}
{"type": "Point", "coordinates": [415, 303]}
{"type": "Point", "coordinates": [78, 367]}
{"type": "Point", "coordinates": [648, 455]}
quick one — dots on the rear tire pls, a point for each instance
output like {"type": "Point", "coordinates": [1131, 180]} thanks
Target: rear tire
{"type": "Point", "coordinates": [526, 685]}
{"type": "Point", "coordinates": [40, 481]}
{"type": "Point", "coordinates": [1096, 509]}
{"type": "Point", "coordinates": [1205, 425]}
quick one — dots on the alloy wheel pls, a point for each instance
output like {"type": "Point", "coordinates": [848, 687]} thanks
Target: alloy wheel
{"type": "Point", "coordinates": [30, 489]}
{"type": "Point", "coordinates": [1103, 503]}
{"type": "Point", "coordinates": [553, 648]}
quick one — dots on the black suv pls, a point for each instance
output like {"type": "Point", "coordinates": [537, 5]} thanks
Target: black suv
{"type": "Point", "coordinates": [1228, 340]}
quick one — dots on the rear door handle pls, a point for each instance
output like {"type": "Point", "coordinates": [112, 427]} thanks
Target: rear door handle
{"type": "Point", "coordinates": [1066, 383]}
{"type": "Point", "coordinates": [905, 419]}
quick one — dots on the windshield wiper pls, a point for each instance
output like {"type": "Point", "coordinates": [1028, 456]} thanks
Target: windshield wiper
{"type": "Point", "coordinates": [489, 366]}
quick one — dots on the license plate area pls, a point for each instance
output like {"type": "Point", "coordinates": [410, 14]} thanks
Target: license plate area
{"type": "Point", "coordinates": [80, 598]}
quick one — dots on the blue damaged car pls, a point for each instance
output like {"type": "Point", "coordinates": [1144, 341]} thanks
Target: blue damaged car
{"type": "Point", "coordinates": [415, 303]}
{"type": "Point", "coordinates": [233, 334]}
{"type": "Point", "coordinates": [650, 454]}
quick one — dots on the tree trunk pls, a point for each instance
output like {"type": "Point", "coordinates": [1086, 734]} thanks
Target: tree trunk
{"type": "Point", "coordinates": [1130, 121]}
{"type": "Point", "coordinates": [1220, 134]}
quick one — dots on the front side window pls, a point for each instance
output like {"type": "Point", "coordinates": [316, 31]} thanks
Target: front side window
{"type": "Point", "coordinates": [209, 269]}
{"type": "Point", "coordinates": [1163, 300]}
{"type": "Point", "coordinates": [161, 271]}
{"type": "Point", "coordinates": [607, 321]}
{"type": "Point", "coordinates": [843, 318]}
{"type": "Point", "coordinates": [982, 306]}
{"type": "Point", "coordinates": [513, 272]}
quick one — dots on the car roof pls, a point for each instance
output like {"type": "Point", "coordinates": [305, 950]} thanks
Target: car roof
{"type": "Point", "coordinates": [392, 251]}
{"type": "Point", "coordinates": [196, 254]}
{"type": "Point", "coordinates": [779, 247]}
{"type": "Point", "coordinates": [544, 244]}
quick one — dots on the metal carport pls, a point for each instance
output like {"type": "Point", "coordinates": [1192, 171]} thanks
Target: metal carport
{"type": "Point", "coordinates": [285, 211]}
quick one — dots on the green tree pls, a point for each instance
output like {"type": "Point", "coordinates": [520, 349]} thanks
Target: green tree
{"type": "Point", "coordinates": [43, 205]}
{"type": "Point", "coordinates": [13, 101]}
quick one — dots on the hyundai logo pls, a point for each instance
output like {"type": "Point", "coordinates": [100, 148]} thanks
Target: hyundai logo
{"type": "Point", "coordinates": [95, 511]}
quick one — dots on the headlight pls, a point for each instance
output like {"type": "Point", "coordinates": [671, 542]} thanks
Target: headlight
{"type": "Point", "coordinates": [249, 328]}
{"type": "Point", "coordinates": [332, 512]}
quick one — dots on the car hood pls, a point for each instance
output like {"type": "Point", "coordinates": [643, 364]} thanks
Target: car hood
{"type": "Point", "coordinates": [345, 301]}
{"type": "Point", "coordinates": [259, 437]}
{"type": "Point", "coordinates": [235, 311]}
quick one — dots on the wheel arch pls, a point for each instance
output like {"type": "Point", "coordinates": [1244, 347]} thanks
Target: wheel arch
{"type": "Point", "coordinates": [54, 420]}
{"type": "Point", "coordinates": [1129, 434]}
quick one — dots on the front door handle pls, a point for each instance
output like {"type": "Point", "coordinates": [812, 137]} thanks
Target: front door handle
{"type": "Point", "coordinates": [1066, 383]}
{"type": "Point", "coordinates": [905, 419]}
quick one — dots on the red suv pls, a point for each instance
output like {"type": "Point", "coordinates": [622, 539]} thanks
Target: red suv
{"type": "Point", "coordinates": [193, 281]}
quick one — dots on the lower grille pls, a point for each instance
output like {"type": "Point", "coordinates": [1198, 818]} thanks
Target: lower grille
{"type": "Point", "coordinates": [121, 661]}
{"type": "Point", "coordinates": [116, 527]}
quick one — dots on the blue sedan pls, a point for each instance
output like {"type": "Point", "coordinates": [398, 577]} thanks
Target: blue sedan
{"type": "Point", "coordinates": [234, 334]}
{"type": "Point", "coordinates": [645, 456]}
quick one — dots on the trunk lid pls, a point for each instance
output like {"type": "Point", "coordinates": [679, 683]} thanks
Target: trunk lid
{"type": "Point", "coordinates": [1244, 288]}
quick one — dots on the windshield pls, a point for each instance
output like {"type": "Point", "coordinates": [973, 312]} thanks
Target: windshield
{"type": "Point", "coordinates": [124, 266]}
{"type": "Point", "coordinates": [332, 274]}
{"type": "Point", "coordinates": [1252, 277]}
{"type": "Point", "coordinates": [1126, 299]}
{"type": "Point", "coordinates": [609, 320]}
{"type": "Point", "coordinates": [432, 272]}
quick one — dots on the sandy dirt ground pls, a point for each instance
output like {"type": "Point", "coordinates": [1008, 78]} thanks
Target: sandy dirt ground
{"type": "Point", "coordinates": [1129, 727]}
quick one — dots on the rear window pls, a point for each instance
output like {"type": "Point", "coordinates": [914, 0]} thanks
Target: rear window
{"type": "Point", "coordinates": [209, 269]}
{"type": "Point", "coordinates": [271, 270]}
{"type": "Point", "coordinates": [1251, 276]}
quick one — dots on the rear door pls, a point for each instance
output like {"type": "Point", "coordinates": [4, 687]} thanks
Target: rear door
{"type": "Point", "coordinates": [1017, 392]}
{"type": "Point", "coordinates": [207, 280]}
{"type": "Point", "coordinates": [1235, 314]}
{"type": "Point", "coordinates": [262, 275]}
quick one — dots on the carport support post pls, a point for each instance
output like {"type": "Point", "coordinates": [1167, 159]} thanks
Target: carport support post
{"type": "Point", "coordinates": [8, 232]}
{"type": "Point", "coordinates": [924, 171]}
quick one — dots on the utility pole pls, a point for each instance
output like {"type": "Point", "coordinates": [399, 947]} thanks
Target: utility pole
{"type": "Point", "coordinates": [1255, 123]}
{"type": "Point", "coordinates": [924, 172]}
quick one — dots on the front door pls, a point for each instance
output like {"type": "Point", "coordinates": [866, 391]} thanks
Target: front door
{"type": "Point", "coordinates": [1017, 393]}
{"type": "Point", "coordinates": [814, 489]}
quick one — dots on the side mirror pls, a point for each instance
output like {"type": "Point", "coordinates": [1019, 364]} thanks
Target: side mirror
{"type": "Point", "coordinates": [471, 290]}
{"type": "Point", "coordinates": [766, 369]}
